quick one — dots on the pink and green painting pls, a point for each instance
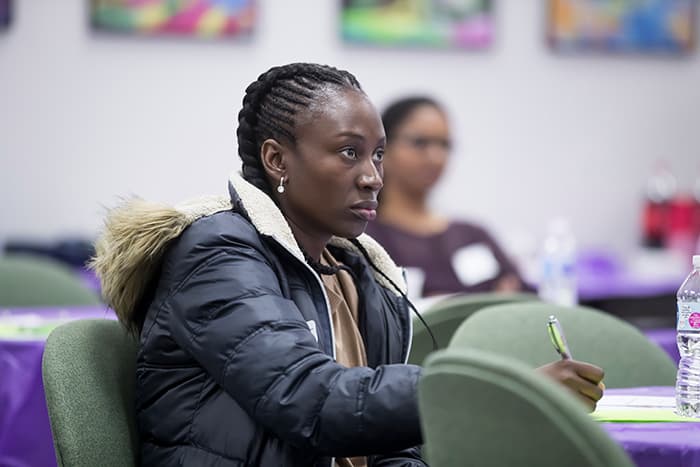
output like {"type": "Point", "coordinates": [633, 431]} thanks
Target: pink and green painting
{"type": "Point", "coordinates": [465, 24]}
{"type": "Point", "coordinates": [191, 18]}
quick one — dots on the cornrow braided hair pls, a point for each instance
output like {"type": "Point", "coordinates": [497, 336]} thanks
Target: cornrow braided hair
{"type": "Point", "coordinates": [271, 105]}
{"type": "Point", "coordinates": [270, 108]}
{"type": "Point", "coordinates": [396, 114]}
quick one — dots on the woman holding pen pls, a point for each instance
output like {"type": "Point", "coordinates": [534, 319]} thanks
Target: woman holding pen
{"type": "Point", "coordinates": [272, 330]}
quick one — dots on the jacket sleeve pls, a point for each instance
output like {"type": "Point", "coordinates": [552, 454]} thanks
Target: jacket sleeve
{"type": "Point", "coordinates": [230, 315]}
{"type": "Point", "coordinates": [410, 457]}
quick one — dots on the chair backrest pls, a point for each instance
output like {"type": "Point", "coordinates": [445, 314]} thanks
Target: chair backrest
{"type": "Point", "coordinates": [445, 317]}
{"type": "Point", "coordinates": [519, 330]}
{"type": "Point", "coordinates": [27, 281]}
{"type": "Point", "coordinates": [479, 408]}
{"type": "Point", "coordinates": [89, 378]}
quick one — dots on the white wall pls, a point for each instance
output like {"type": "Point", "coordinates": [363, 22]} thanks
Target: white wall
{"type": "Point", "coordinates": [86, 118]}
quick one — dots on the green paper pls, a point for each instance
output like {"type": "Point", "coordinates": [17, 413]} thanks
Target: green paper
{"type": "Point", "coordinates": [639, 414]}
{"type": "Point", "coordinates": [19, 331]}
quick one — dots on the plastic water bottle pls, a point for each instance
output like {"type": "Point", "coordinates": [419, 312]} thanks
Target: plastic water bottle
{"type": "Point", "coordinates": [558, 265]}
{"type": "Point", "coordinates": [688, 338]}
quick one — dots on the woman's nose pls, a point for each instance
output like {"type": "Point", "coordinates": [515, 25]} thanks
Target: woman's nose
{"type": "Point", "coordinates": [371, 177]}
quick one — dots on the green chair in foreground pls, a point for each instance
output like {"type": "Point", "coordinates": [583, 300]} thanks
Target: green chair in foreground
{"type": "Point", "coordinates": [479, 408]}
{"type": "Point", "coordinates": [89, 378]}
{"type": "Point", "coordinates": [445, 316]}
{"type": "Point", "coordinates": [628, 358]}
{"type": "Point", "coordinates": [27, 281]}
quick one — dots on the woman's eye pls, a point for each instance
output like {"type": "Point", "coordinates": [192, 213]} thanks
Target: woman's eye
{"type": "Point", "coordinates": [349, 153]}
{"type": "Point", "coordinates": [379, 155]}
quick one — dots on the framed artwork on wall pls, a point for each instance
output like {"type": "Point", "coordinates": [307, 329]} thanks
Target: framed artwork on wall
{"type": "Point", "coordinates": [5, 14]}
{"type": "Point", "coordinates": [622, 26]}
{"type": "Point", "coordinates": [189, 18]}
{"type": "Point", "coordinates": [466, 24]}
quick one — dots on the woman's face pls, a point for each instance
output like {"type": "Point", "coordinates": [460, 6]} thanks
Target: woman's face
{"type": "Point", "coordinates": [334, 171]}
{"type": "Point", "coordinates": [418, 151]}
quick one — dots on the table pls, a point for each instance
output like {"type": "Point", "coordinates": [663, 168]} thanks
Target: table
{"type": "Point", "coordinates": [657, 444]}
{"type": "Point", "coordinates": [25, 433]}
{"type": "Point", "coordinates": [646, 273]}
{"type": "Point", "coordinates": [641, 288]}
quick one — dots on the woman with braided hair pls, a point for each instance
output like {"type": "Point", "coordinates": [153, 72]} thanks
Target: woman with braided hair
{"type": "Point", "coordinates": [272, 331]}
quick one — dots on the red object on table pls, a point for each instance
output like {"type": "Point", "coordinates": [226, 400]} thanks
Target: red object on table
{"type": "Point", "coordinates": [681, 235]}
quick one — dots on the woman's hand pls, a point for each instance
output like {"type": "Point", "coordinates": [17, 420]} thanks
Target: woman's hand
{"type": "Point", "coordinates": [583, 379]}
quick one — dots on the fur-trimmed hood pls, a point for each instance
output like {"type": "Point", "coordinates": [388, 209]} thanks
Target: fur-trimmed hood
{"type": "Point", "coordinates": [137, 233]}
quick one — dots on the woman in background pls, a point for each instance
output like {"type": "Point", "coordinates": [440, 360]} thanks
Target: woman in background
{"type": "Point", "coordinates": [446, 256]}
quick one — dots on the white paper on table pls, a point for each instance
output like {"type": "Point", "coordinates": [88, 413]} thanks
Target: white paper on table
{"type": "Point", "coordinates": [620, 401]}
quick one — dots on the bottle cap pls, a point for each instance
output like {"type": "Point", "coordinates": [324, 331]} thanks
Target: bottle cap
{"type": "Point", "coordinates": [696, 261]}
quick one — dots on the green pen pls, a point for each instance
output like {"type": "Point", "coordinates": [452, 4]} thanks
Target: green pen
{"type": "Point", "coordinates": [556, 335]}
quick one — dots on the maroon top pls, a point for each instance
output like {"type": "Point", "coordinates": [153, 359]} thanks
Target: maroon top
{"type": "Point", "coordinates": [463, 258]}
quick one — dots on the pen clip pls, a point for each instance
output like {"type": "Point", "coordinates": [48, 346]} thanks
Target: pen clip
{"type": "Point", "coordinates": [556, 335]}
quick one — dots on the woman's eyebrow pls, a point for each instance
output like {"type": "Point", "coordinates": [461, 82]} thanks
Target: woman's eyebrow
{"type": "Point", "coordinates": [351, 134]}
{"type": "Point", "coordinates": [358, 136]}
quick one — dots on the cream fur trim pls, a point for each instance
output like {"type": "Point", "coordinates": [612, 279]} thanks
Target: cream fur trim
{"type": "Point", "coordinates": [265, 215]}
{"type": "Point", "coordinates": [204, 206]}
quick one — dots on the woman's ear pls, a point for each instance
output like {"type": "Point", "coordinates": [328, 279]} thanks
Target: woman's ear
{"type": "Point", "coordinates": [272, 155]}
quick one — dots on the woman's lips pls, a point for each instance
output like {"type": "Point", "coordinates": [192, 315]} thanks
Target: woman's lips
{"type": "Point", "coordinates": [365, 214]}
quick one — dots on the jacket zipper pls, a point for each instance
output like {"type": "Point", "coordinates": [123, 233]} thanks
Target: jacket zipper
{"type": "Point", "coordinates": [325, 299]}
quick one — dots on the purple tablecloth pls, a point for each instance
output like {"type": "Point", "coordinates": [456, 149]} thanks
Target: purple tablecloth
{"type": "Point", "coordinates": [601, 275]}
{"type": "Point", "coordinates": [657, 444]}
{"type": "Point", "coordinates": [666, 339]}
{"type": "Point", "coordinates": [25, 433]}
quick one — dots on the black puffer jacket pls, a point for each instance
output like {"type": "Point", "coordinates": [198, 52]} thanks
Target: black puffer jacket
{"type": "Point", "coordinates": [236, 360]}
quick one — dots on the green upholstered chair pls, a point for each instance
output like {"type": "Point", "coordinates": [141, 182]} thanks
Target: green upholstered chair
{"type": "Point", "coordinates": [446, 315]}
{"type": "Point", "coordinates": [519, 330]}
{"type": "Point", "coordinates": [89, 379]}
{"type": "Point", "coordinates": [27, 281]}
{"type": "Point", "coordinates": [480, 408]}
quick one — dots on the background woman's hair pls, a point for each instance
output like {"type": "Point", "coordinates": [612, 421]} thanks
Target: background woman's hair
{"type": "Point", "coordinates": [395, 114]}
{"type": "Point", "coordinates": [398, 111]}
{"type": "Point", "coordinates": [271, 105]}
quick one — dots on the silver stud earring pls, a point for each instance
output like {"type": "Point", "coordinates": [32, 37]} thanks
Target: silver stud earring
{"type": "Point", "coordinates": [280, 188]}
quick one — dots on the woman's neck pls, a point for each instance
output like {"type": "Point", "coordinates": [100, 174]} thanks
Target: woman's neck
{"type": "Point", "coordinates": [311, 244]}
{"type": "Point", "coordinates": [410, 213]}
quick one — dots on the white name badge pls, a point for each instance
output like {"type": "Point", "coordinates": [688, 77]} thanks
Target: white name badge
{"type": "Point", "coordinates": [415, 278]}
{"type": "Point", "coordinates": [312, 327]}
{"type": "Point", "coordinates": [474, 264]}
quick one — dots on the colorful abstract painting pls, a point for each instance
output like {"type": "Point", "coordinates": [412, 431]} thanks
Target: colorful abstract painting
{"type": "Point", "coordinates": [5, 13]}
{"type": "Point", "coordinates": [199, 18]}
{"type": "Point", "coordinates": [429, 23]}
{"type": "Point", "coordinates": [654, 26]}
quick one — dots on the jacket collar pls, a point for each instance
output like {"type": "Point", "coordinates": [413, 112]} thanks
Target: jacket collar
{"type": "Point", "coordinates": [137, 232]}
{"type": "Point", "coordinates": [267, 218]}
